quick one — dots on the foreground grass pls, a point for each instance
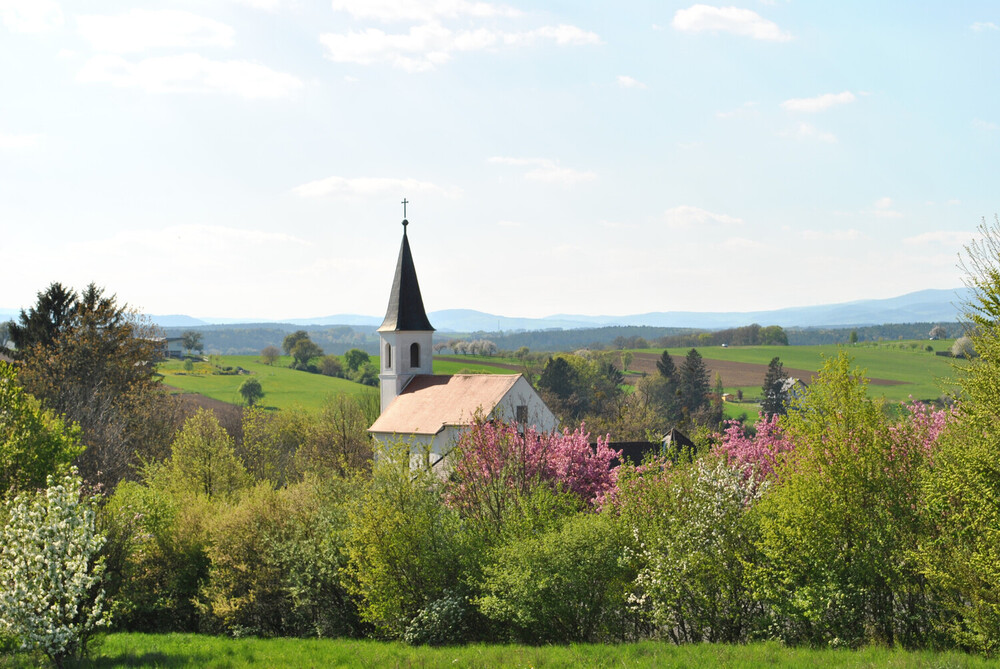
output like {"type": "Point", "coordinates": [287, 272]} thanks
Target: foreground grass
{"type": "Point", "coordinates": [191, 650]}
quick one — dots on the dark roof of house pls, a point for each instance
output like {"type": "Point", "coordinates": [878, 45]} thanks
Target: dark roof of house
{"type": "Point", "coordinates": [406, 307]}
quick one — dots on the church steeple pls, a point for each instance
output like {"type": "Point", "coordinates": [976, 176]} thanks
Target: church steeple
{"type": "Point", "coordinates": [406, 307]}
{"type": "Point", "coordinates": [406, 335]}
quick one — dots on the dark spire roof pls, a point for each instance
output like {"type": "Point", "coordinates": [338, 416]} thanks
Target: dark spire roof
{"type": "Point", "coordinates": [406, 308]}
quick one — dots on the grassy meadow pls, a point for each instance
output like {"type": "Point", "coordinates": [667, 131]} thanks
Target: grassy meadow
{"type": "Point", "coordinates": [284, 388]}
{"type": "Point", "coordinates": [923, 375]}
{"type": "Point", "coordinates": [191, 650]}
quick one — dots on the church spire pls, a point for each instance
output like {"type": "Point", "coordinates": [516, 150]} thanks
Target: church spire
{"type": "Point", "coordinates": [406, 307]}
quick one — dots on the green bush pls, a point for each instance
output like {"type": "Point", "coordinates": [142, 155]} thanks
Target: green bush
{"type": "Point", "coordinates": [566, 584]}
{"type": "Point", "coordinates": [405, 546]}
{"type": "Point", "coordinates": [34, 443]}
{"type": "Point", "coordinates": [277, 559]}
{"type": "Point", "coordinates": [839, 529]}
{"type": "Point", "coordinates": [156, 556]}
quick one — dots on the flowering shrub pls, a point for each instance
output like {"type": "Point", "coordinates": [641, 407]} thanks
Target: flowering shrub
{"type": "Point", "coordinates": [759, 453]}
{"type": "Point", "coordinates": [495, 462]}
{"type": "Point", "coordinates": [694, 540]}
{"type": "Point", "coordinates": [50, 583]}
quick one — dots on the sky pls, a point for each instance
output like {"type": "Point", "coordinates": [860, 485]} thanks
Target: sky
{"type": "Point", "coordinates": [248, 158]}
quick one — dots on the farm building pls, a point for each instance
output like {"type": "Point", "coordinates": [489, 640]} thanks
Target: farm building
{"type": "Point", "coordinates": [428, 410]}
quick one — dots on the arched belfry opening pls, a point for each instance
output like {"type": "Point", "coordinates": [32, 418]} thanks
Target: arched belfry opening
{"type": "Point", "coordinates": [414, 355]}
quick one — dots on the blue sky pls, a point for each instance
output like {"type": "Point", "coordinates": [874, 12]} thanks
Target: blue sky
{"type": "Point", "coordinates": [246, 158]}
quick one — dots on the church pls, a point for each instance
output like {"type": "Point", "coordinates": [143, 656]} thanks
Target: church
{"type": "Point", "coordinates": [431, 411]}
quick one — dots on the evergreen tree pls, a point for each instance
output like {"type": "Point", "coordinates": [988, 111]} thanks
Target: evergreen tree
{"type": "Point", "coordinates": [40, 324]}
{"type": "Point", "coordinates": [775, 395]}
{"type": "Point", "coordinates": [666, 366]}
{"type": "Point", "coordinates": [694, 382]}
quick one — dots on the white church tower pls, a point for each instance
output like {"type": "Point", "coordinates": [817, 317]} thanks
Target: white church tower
{"type": "Point", "coordinates": [406, 336]}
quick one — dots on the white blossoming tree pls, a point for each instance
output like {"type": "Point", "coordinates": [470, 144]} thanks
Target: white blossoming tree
{"type": "Point", "coordinates": [51, 597]}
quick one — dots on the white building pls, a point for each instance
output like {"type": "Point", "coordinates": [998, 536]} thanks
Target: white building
{"type": "Point", "coordinates": [431, 411]}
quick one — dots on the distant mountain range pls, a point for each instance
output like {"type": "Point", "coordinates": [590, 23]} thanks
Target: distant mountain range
{"type": "Point", "coordinates": [922, 306]}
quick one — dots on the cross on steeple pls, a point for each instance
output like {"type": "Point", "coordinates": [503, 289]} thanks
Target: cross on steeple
{"type": "Point", "coordinates": [404, 203]}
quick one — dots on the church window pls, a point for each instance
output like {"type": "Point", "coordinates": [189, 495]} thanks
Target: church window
{"type": "Point", "coordinates": [388, 356]}
{"type": "Point", "coordinates": [414, 355]}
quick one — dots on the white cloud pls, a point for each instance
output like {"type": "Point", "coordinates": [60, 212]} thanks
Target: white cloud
{"type": "Point", "coordinates": [951, 237]}
{"type": "Point", "coordinates": [987, 126]}
{"type": "Point", "coordinates": [190, 73]}
{"type": "Point", "coordinates": [370, 187]}
{"type": "Point", "coordinates": [980, 26]}
{"type": "Point", "coordinates": [705, 18]}
{"type": "Point", "coordinates": [831, 235]}
{"type": "Point", "coordinates": [742, 110]}
{"type": "Point", "coordinates": [546, 171]}
{"type": "Point", "coordinates": [954, 202]}
{"type": "Point", "coordinates": [818, 103]}
{"type": "Point", "coordinates": [626, 81]}
{"type": "Point", "coordinates": [30, 16]}
{"type": "Point", "coordinates": [744, 244]}
{"type": "Point", "coordinates": [142, 29]}
{"type": "Point", "coordinates": [426, 46]}
{"type": "Point", "coordinates": [807, 131]}
{"type": "Point", "coordinates": [15, 142]}
{"type": "Point", "coordinates": [686, 216]}
{"type": "Point", "coordinates": [509, 224]}
{"type": "Point", "coordinates": [421, 10]}
{"type": "Point", "coordinates": [883, 208]}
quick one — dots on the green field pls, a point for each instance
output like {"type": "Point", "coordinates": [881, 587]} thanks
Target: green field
{"type": "Point", "coordinates": [190, 650]}
{"type": "Point", "coordinates": [284, 388]}
{"type": "Point", "coordinates": [923, 374]}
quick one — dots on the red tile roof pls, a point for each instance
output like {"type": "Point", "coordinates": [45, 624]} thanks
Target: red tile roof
{"type": "Point", "coordinates": [430, 403]}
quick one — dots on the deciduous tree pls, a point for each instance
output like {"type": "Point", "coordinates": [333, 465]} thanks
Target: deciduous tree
{"type": "Point", "coordinates": [251, 391]}
{"type": "Point", "coordinates": [304, 351]}
{"type": "Point", "coordinates": [91, 359]}
{"type": "Point", "coordinates": [289, 342]}
{"type": "Point", "coordinates": [191, 340]}
{"type": "Point", "coordinates": [355, 358]}
{"type": "Point", "coordinates": [270, 354]}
